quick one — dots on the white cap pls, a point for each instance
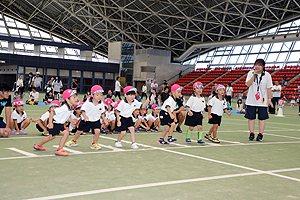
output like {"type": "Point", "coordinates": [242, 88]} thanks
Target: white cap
{"type": "Point", "coordinates": [37, 73]}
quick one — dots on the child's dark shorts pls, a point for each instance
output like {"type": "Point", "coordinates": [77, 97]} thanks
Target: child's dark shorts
{"type": "Point", "coordinates": [84, 126]}
{"type": "Point", "coordinates": [194, 120]}
{"type": "Point", "coordinates": [216, 119]}
{"type": "Point", "coordinates": [165, 118]}
{"type": "Point", "coordinates": [126, 122]}
{"type": "Point", "coordinates": [261, 111]}
{"type": "Point", "coordinates": [57, 128]}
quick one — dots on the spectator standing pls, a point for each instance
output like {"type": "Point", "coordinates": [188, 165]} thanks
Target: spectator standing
{"type": "Point", "coordinates": [153, 98]}
{"type": "Point", "coordinates": [284, 83]}
{"type": "Point", "coordinates": [213, 89]}
{"type": "Point", "coordinates": [57, 84]}
{"type": "Point", "coordinates": [74, 84]}
{"type": "Point", "coordinates": [118, 88]}
{"type": "Point", "coordinates": [20, 85]}
{"type": "Point", "coordinates": [229, 93]}
{"type": "Point", "coordinates": [110, 95]}
{"type": "Point", "coordinates": [164, 85]}
{"type": "Point", "coordinates": [276, 95]}
{"type": "Point", "coordinates": [5, 102]}
{"type": "Point", "coordinates": [154, 85]}
{"type": "Point", "coordinates": [164, 95]}
{"type": "Point", "coordinates": [37, 81]}
{"type": "Point", "coordinates": [144, 91]}
{"type": "Point", "coordinates": [30, 82]}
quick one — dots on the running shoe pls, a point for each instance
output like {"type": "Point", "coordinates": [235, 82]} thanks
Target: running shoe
{"type": "Point", "coordinates": [215, 140]}
{"type": "Point", "coordinates": [171, 139]}
{"type": "Point", "coordinates": [162, 142]}
{"type": "Point", "coordinates": [118, 144]}
{"type": "Point", "coordinates": [136, 130]}
{"type": "Point", "coordinates": [259, 137]}
{"type": "Point", "coordinates": [45, 134]}
{"type": "Point", "coordinates": [154, 130]}
{"type": "Point", "coordinates": [14, 132]}
{"type": "Point", "coordinates": [188, 141]}
{"type": "Point", "coordinates": [208, 137]}
{"type": "Point", "coordinates": [39, 148]}
{"type": "Point", "coordinates": [251, 137]}
{"type": "Point", "coordinates": [61, 152]}
{"type": "Point", "coordinates": [178, 129]}
{"type": "Point", "coordinates": [95, 146]}
{"type": "Point", "coordinates": [134, 146]}
{"type": "Point", "coordinates": [71, 143]}
{"type": "Point", "coordinates": [200, 142]}
{"type": "Point", "coordinates": [148, 131]}
{"type": "Point", "coordinates": [22, 132]}
{"type": "Point", "coordinates": [103, 132]}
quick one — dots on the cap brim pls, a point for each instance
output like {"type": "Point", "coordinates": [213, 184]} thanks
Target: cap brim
{"type": "Point", "coordinates": [131, 90]}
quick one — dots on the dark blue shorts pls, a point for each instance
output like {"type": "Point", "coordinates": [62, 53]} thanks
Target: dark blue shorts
{"type": "Point", "coordinates": [85, 126]}
{"type": "Point", "coordinates": [194, 120]}
{"type": "Point", "coordinates": [57, 128]}
{"type": "Point", "coordinates": [2, 123]}
{"type": "Point", "coordinates": [216, 119]}
{"type": "Point", "coordinates": [126, 122]}
{"type": "Point", "coordinates": [261, 111]}
{"type": "Point", "coordinates": [165, 118]}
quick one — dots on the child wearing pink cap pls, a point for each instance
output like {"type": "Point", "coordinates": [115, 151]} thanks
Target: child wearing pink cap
{"type": "Point", "coordinates": [91, 112]}
{"type": "Point", "coordinates": [195, 115]}
{"type": "Point", "coordinates": [153, 120]}
{"type": "Point", "coordinates": [109, 115]}
{"type": "Point", "coordinates": [57, 118]}
{"type": "Point", "coordinates": [76, 116]}
{"type": "Point", "coordinates": [168, 115]}
{"type": "Point", "coordinates": [124, 115]}
{"type": "Point", "coordinates": [215, 111]}
{"type": "Point", "coordinates": [19, 121]}
{"type": "Point", "coordinates": [42, 121]}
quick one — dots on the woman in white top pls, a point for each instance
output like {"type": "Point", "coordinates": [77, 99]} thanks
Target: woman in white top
{"type": "Point", "coordinates": [229, 93]}
{"type": "Point", "coordinates": [20, 85]}
{"type": "Point", "coordinates": [144, 91]}
{"type": "Point", "coordinates": [118, 87]}
{"type": "Point", "coordinates": [57, 84]}
{"type": "Point", "coordinates": [258, 98]}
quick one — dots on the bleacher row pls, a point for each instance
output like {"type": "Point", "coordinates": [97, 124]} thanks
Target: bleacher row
{"type": "Point", "coordinates": [237, 77]}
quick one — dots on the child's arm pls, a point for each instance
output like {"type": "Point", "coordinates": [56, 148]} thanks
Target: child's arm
{"type": "Point", "coordinates": [209, 112]}
{"type": "Point", "coordinates": [35, 120]}
{"type": "Point", "coordinates": [146, 103]}
{"type": "Point", "coordinates": [158, 126]}
{"type": "Point", "coordinates": [118, 118]}
{"type": "Point", "coordinates": [147, 127]}
{"type": "Point", "coordinates": [170, 113]}
{"type": "Point", "coordinates": [16, 126]}
{"type": "Point", "coordinates": [189, 111]}
{"type": "Point", "coordinates": [228, 112]}
{"type": "Point", "coordinates": [50, 125]}
{"type": "Point", "coordinates": [72, 121]}
{"type": "Point", "coordinates": [104, 120]}
{"type": "Point", "coordinates": [269, 96]}
{"type": "Point", "coordinates": [203, 114]}
{"type": "Point", "coordinates": [86, 118]}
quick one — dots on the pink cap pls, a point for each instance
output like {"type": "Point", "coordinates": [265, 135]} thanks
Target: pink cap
{"type": "Point", "coordinates": [116, 105]}
{"type": "Point", "coordinates": [175, 87]}
{"type": "Point", "coordinates": [78, 105]}
{"type": "Point", "coordinates": [155, 106]}
{"type": "Point", "coordinates": [68, 93]}
{"type": "Point", "coordinates": [18, 102]}
{"type": "Point", "coordinates": [88, 96]}
{"type": "Point", "coordinates": [219, 86]}
{"type": "Point", "coordinates": [96, 89]}
{"type": "Point", "coordinates": [197, 85]}
{"type": "Point", "coordinates": [55, 103]}
{"type": "Point", "coordinates": [108, 101]}
{"type": "Point", "coordinates": [129, 89]}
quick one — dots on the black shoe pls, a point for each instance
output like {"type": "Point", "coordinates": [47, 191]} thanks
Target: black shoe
{"type": "Point", "coordinates": [259, 137]}
{"type": "Point", "coordinates": [178, 129]}
{"type": "Point", "coordinates": [251, 137]}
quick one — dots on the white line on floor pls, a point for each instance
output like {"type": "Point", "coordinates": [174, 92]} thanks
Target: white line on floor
{"type": "Point", "coordinates": [282, 136]}
{"type": "Point", "coordinates": [70, 150]}
{"type": "Point", "coordinates": [180, 145]}
{"type": "Point", "coordinates": [159, 184]}
{"type": "Point", "coordinates": [233, 142]}
{"type": "Point", "coordinates": [110, 147]}
{"type": "Point", "coordinates": [22, 152]}
{"type": "Point", "coordinates": [206, 143]}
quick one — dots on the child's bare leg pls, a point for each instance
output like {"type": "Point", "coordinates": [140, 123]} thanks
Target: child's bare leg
{"type": "Point", "coordinates": [132, 134]}
{"type": "Point", "coordinates": [122, 134]}
{"type": "Point", "coordinates": [25, 123]}
{"type": "Point", "coordinates": [171, 129]}
{"type": "Point", "coordinates": [46, 139]}
{"type": "Point", "coordinates": [210, 130]}
{"type": "Point", "coordinates": [150, 122]}
{"type": "Point", "coordinates": [251, 124]}
{"type": "Point", "coordinates": [156, 123]}
{"type": "Point", "coordinates": [77, 135]}
{"type": "Point", "coordinates": [12, 124]}
{"type": "Point", "coordinates": [215, 128]}
{"type": "Point", "coordinates": [138, 123]}
{"type": "Point", "coordinates": [96, 136]}
{"type": "Point", "coordinates": [63, 139]}
{"type": "Point", "coordinates": [112, 124]}
{"type": "Point", "coordinates": [262, 124]}
{"type": "Point", "coordinates": [191, 128]}
{"type": "Point", "coordinates": [199, 128]}
{"type": "Point", "coordinates": [164, 133]}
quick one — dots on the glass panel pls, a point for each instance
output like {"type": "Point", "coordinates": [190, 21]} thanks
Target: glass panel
{"type": "Point", "coordinates": [63, 72]}
{"type": "Point", "coordinates": [272, 57]}
{"type": "Point", "coordinates": [65, 81]}
{"type": "Point", "coordinates": [41, 70]}
{"type": "Point", "coordinates": [223, 60]}
{"type": "Point", "coordinates": [30, 69]}
{"type": "Point", "coordinates": [297, 45]}
{"type": "Point", "coordinates": [76, 73]}
{"type": "Point", "coordinates": [237, 50]}
{"type": "Point", "coordinates": [265, 48]}
{"type": "Point", "coordinates": [286, 46]}
{"type": "Point", "coordinates": [241, 59]}
{"type": "Point", "coordinates": [245, 49]}
{"type": "Point", "coordinates": [255, 48]}
{"type": "Point", "coordinates": [51, 72]}
{"type": "Point", "coordinates": [261, 56]}
{"type": "Point", "coordinates": [276, 46]}
{"type": "Point", "coordinates": [87, 81]}
{"type": "Point", "coordinates": [87, 74]}
{"type": "Point", "coordinates": [216, 60]}
{"type": "Point", "coordinates": [282, 57]}
{"type": "Point", "coordinates": [109, 76]}
{"type": "Point", "coordinates": [24, 33]}
{"type": "Point", "coordinates": [251, 58]}
{"type": "Point", "coordinates": [233, 59]}
{"type": "Point", "coordinates": [98, 74]}
{"type": "Point", "coordinates": [295, 56]}
{"type": "Point", "coordinates": [98, 81]}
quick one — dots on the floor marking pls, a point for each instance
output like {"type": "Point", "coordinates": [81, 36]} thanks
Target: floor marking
{"type": "Point", "coordinates": [282, 136]}
{"type": "Point", "coordinates": [233, 142]}
{"type": "Point", "coordinates": [206, 143]}
{"type": "Point", "coordinates": [113, 148]}
{"type": "Point", "coordinates": [180, 145]}
{"type": "Point", "coordinates": [23, 152]}
{"type": "Point", "coordinates": [148, 185]}
{"type": "Point", "coordinates": [70, 150]}
{"type": "Point", "coordinates": [128, 142]}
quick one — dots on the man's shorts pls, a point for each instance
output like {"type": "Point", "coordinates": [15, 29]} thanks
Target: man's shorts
{"type": "Point", "coordinates": [252, 110]}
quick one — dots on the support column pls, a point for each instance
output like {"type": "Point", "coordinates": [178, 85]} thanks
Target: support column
{"type": "Point", "coordinates": [61, 52]}
{"type": "Point", "coordinates": [11, 47]}
{"type": "Point", "coordinates": [86, 55]}
{"type": "Point", "coordinates": [37, 50]}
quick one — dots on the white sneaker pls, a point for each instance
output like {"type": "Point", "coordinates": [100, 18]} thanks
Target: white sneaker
{"type": "Point", "coordinates": [134, 146]}
{"type": "Point", "coordinates": [118, 144]}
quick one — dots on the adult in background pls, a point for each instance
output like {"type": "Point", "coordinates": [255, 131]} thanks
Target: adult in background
{"type": "Point", "coordinates": [144, 91]}
{"type": "Point", "coordinates": [20, 85]}
{"type": "Point", "coordinates": [284, 83]}
{"type": "Point", "coordinates": [30, 82]}
{"type": "Point", "coordinates": [213, 89]}
{"type": "Point", "coordinates": [57, 84]}
{"type": "Point", "coordinates": [229, 93]}
{"type": "Point", "coordinates": [118, 87]}
{"type": "Point", "coordinates": [74, 84]}
{"type": "Point", "coordinates": [110, 95]}
{"type": "Point", "coordinates": [258, 98]}
{"type": "Point", "coordinates": [5, 102]}
{"type": "Point", "coordinates": [164, 95]}
{"type": "Point", "coordinates": [154, 85]}
{"type": "Point", "coordinates": [164, 85]}
{"type": "Point", "coordinates": [37, 81]}
{"type": "Point", "coordinates": [276, 95]}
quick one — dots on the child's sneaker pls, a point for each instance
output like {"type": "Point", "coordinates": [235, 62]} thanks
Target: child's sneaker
{"type": "Point", "coordinates": [22, 132]}
{"type": "Point", "coordinates": [251, 137]}
{"type": "Point", "coordinates": [171, 139]}
{"type": "Point", "coordinates": [188, 141]}
{"type": "Point", "coordinates": [61, 152]}
{"type": "Point", "coordinates": [118, 144]}
{"type": "Point", "coordinates": [111, 132]}
{"type": "Point", "coordinates": [154, 130]}
{"type": "Point", "coordinates": [83, 133]}
{"type": "Point", "coordinates": [178, 129]}
{"type": "Point", "coordinates": [200, 142]}
{"type": "Point", "coordinates": [95, 146]}
{"type": "Point", "coordinates": [14, 132]}
{"type": "Point", "coordinates": [208, 137]}
{"type": "Point", "coordinates": [45, 134]}
{"type": "Point", "coordinates": [103, 132]}
{"type": "Point", "coordinates": [39, 148]}
{"type": "Point", "coordinates": [259, 137]}
{"type": "Point", "coordinates": [134, 146]}
{"type": "Point", "coordinates": [72, 133]}
{"type": "Point", "coordinates": [71, 143]}
{"type": "Point", "coordinates": [162, 142]}
{"type": "Point", "coordinates": [215, 140]}
{"type": "Point", "coordinates": [136, 130]}
{"type": "Point", "coordinates": [148, 131]}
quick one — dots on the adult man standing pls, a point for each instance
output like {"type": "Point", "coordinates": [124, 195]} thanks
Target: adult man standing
{"type": "Point", "coordinates": [276, 95]}
{"type": "Point", "coordinates": [118, 87]}
{"type": "Point", "coordinates": [229, 93]}
{"type": "Point", "coordinates": [37, 82]}
{"type": "Point", "coordinates": [154, 85]}
{"type": "Point", "coordinates": [5, 101]}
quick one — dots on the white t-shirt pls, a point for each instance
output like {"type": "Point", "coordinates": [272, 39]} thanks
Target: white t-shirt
{"type": "Point", "coordinates": [118, 86]}
{"type": "Point", "coordinates": [57, 85]}
{"type": "Point", "coordinates": [19, 118]}
{"type": "Point", "coordinates": [62, 114]}
{"type": "Point", "coordinates": [276, 94]}
{"type": "Point", "coordinates": [229, 91]}
{"type": "Point", "coordinates": [72, 126]}
{"type": "Point", "coordinates": [93, 111]}
{"type": "Point", "coordinates": [263, 86]}
{"type": "Point", "coordinates": [169, 102]}
{"type": "Point", "coordinates": [34, 96]}
{"type": "Point", "coordinates": [110, 115]}
{"type": "Point", "coordinates": [135, 119]}
{"type": "Point", "coordinates": [151, 116]}
{"type": "Point", "coordinates": [196, 104]}
{"type": "Point", "coordinates": [144, 89]}
{"type": "Point", "coordinates": [125, 109]}
{"type": "Point", "coordinates": [154, 85]}
{"type": "Point", "coordinates": [20, 83]}
{"type": "Point", "coordinates": [217, 106]}
{"type": "Point", "coordinates": [45, 116]}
